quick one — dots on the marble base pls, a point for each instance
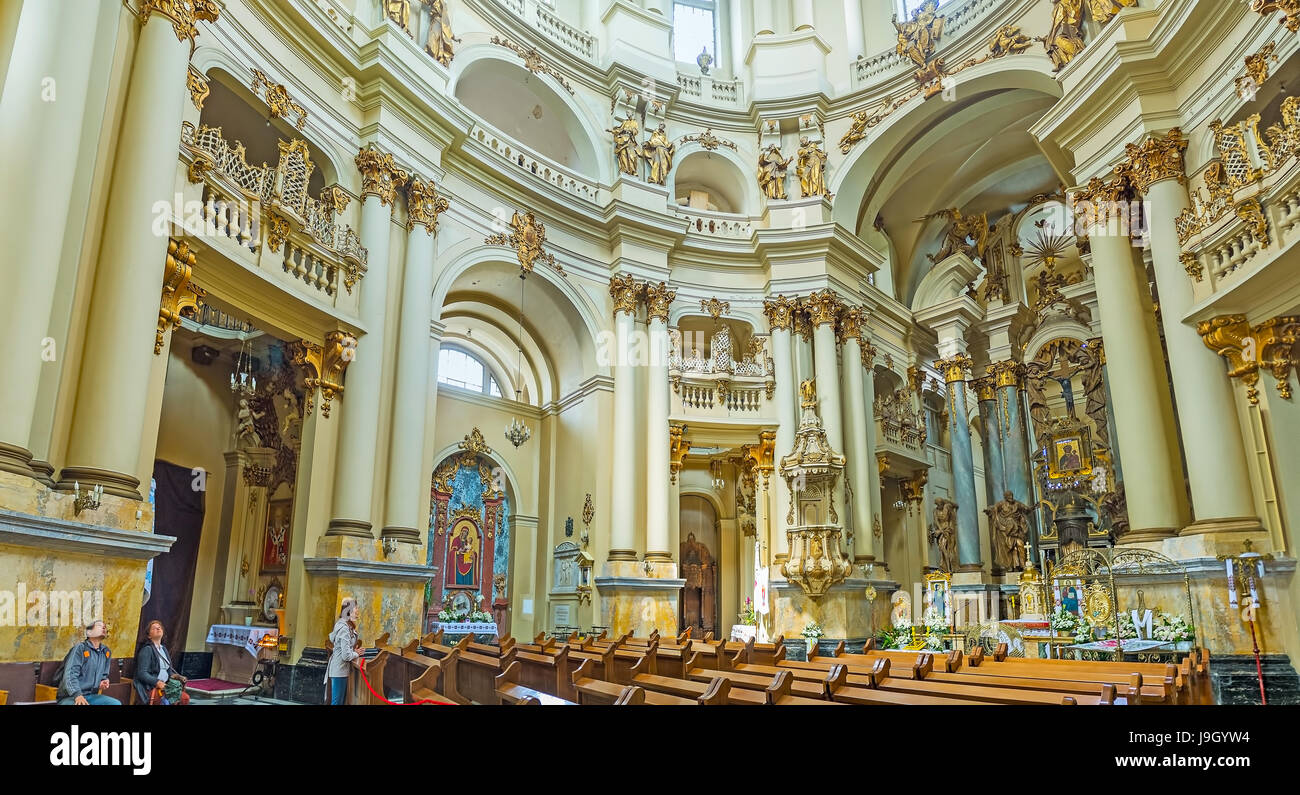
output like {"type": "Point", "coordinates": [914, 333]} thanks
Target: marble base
{"type": "Point", "coordinates": [842, 613]}
{"type": "Point", "coordinates": [640, 605]}
{"type": "Point", "coordinates": [1234, 680]}
{"type": "Point", "coordinates": [304, 681]}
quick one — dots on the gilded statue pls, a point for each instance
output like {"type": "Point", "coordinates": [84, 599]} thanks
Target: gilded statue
{"type": "Point", "coordinates": [626, 148]}
{"type": "Point", "coordinates": [943, 533]}
{"type": "Point", "coordinates": [1009, 520]}
{"type": "Point", "coordinates": [811, 168]}
{"type": "Point", "coordinates": [771, 172]}
{"type": "Point", "coordinates": [1103, 10]}
{"type": "Point", "coordinates": [808, 393]}
{"type": "Point", "coordinates": [400, 12]}
{"type": "Point", "coordinates": [918, 38]}
{"type": "Point", "coordinates": [440, 41]}
{"type": "Point", "coordinates": [1009, 41]}
{"type": "Point", "coordinates": [966, 234]}
{"type": "Point", "coordinates": [857, 131]}
{"type": "Point", "coordinates": [1092, 368]}
{"type": "Point", "coordinates": [1065, 38]}
{"type": "Point", "coordinates": [658, 152]}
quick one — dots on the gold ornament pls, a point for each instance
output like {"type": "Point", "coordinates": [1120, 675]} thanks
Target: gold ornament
{"type": "Point", "coordinates": [439, 43]}
{"type": "Point", "coordinates": [180, 298]}
{"type": "Point", "coordinates": [183, 14]}
{"type": "Point", "coordinates": [658, 153]}
{"type": "Point", "coordinates": [918, 39]}
{"type": "Point", "coordinates": [823, 307]}
{"type": "Point", "coordinates": [277, 99]}
{"type": "Point", "coordinates": [1157, 159]}
{"type": "Point", "coordinates": [325, 365]}
{"type": "Point", "coordinates": [626, 292]}
{"type": "Point", "coordinates": [380, 176]}
{"type": "Point", "coordinates": [475, 443]}
{"type": "Point", "coordinates": [715, 308]}
{"type": "Point", "coordinates": [424, 204]}
{"type": "Point", "coordinates": [772, 172]}
{"type": "Point", "coordinates": [955, 368]}
{"type": "Point", "coordinates": [658, 299]}
{"type": "Point", "coordinates": [811, 168]}
{"type": "Point", "coordinates": [527, 237]}
{"type": "Point", "coordinates": [780, 312]}
{"type": "Point", "coordinates": [533, 61]}
{"type": "Point", "coordinates": [198, 86]}
{"type": "Point", "coordinates": [678, 447]}
{"type": "Point", "coordinates": [1192, 265]}
{"type": "Point", "coordinates": [1291, 9]}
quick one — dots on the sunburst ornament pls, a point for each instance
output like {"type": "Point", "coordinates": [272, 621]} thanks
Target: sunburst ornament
{"type": "Point", "coordinates": [1048, 245]}
{"type": "Point", "coordinates": [528, 236]}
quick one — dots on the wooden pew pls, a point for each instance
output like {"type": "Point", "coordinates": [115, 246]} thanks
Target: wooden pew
{"type": "Point", "coordinates": [711, 652]}
{"type": "Point", "coordinates": [1172, 687]}
{"type": "Point", "coordinates": [509, 691]}
{"type": "Point", "coordinates": [437, 680]}
{"type": "Point", "coordinates": [760, 653]}
{"type": "Point", "coordinates": [779, 693]}
{"type": "Point", "coordinates": [643, 674]}
{"type": "Point", "coordinates": [546, 672]}
{"type": "Point", "coordinates": [475, 673]}
{"type": "Point", "coordinates": [755, 680]}
{"type": "Point", "coordinates": [593, 690]}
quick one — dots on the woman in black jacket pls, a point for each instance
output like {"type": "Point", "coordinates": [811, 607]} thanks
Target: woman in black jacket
{"type": "Point", "coordinates": [154, 668]}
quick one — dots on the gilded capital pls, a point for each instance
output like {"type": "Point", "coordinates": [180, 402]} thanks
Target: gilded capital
{"type": "Point", "coordinates": [424, 204]}
{"type": "Point", "coordinates": [324, 365]}
{"type": "Point", "coordinates": [823, 307]}
{"type": "Point", "coordinates": [780, 312]}
{"type": "Point", "coordinates": [851, 324]}
{"type": "Point", "coordinates": [625, 291]}
{"type": "Point", "coordinates": [1276, 338]}
{"type": "Point", "coordinates": [180, 297]}
{"type": "Point", "coordinates": [1103, 199]}
{"type": "Point", "coordinates": [954, 368]}
{"type": "Point", "coordinates": [183, 14]}
{"type": "Point", "coordinates": [984, 388]}
{"type": "Point", "coordinates": [1005, 374]}
{"type": "Point", "coordinates": [1157, 159]}
{"type": "Point", "coordinates": [658, 298]}
{"type": "Point", "coordinates": [1289, 8]}
{"type": "Point", "coordinates": [380, 176]}
{"type": "Point", "coordinates": [802, 326]}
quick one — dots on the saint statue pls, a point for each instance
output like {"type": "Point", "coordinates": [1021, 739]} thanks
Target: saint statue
{"type": "Point", "coordinates": [1009, 41]}
{"type": "Point", "coordinates": [811, 168]}
{"type": "Point", "coordinates": [1009, 519]}
{"type": "Point", "coordinates": [968, 234]}
{"type": "Point", "coordinates": [771, 172]}
{"type": "Point", "coordinates": [918, 38]}
{"type": "Point", "coordinates": [463, 555]}
{"type": "Point", "coordinates": [625, 145]}
{"type": "Point", "coordinates": [943, 533]}
{"type": "Point", "coordinates": [1103, 10]}
{"type": "Point", "coordinates": [1064, 39]}
{"type": "Point", "coordinates": [658, 152]}
{"type": "Point", "coordinates": [400, 12]}
{"type": "Point", "coordinates": [245, 435]}
{"type": "Point", "coordinates": [808, 393]}
{"type": "Point", "coordinates": [439, 44]}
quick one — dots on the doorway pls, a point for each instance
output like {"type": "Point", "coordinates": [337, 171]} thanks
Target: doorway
{"type": "Point", "coordinates": [699, 565]}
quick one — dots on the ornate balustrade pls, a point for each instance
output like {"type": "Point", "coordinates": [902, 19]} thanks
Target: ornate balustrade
{"type": "Point", "coordinates": [711, 91]}
{"type": "Point", "coordinates": [719, 386]}
{"type": "Point", "coordinates": [264, 218]}
{"type": "Point", "coordinates": [501, 149]}
{"type": "Point", "coordinates": [900, 429]}
{"type": "Point", "coordinates": [715, 224]}
{"type": "Point", "coordinates": [564, 34]}
{"type": "Point", "coordinates": [966, 18]}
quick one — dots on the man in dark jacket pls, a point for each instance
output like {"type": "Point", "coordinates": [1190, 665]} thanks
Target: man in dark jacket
{"type": "Point", "coordinates": [85, 670]}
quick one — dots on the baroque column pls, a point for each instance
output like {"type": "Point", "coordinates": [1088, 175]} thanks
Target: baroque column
{"type": "Point", "coordinates": [406, 486]}
{"type": "Point", "coordinates": [956, 369]}
{"type": "Point", "coordinates": [109, 418]}
{"type": "Point", "coordinates": [50, 51]}
{"type": "Point", "coordinates": [858, 416]}
{"type": "Point", "coordinates": [994, 482]}
{"type": "Point", "coordinates": [823, 312]}
{"type": "Point", "coordinates": [1216, 462]}
{"type": "Point", "coordinates": [354, 480]}
{"type": "Point", "coordinates": [658, 298]}
{"type": "Point", "coordinates": [625, 291]}
{"type": "Point", "coordinates": [1010, 422]}
{"type": "Point", "coordinates": [780, 313]}
{"type": "Point", "coordinates": [1144, 420]}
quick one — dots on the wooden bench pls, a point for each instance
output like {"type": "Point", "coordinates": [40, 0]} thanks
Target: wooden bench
{"type": "Point", "coordinates": [475, 673]}
{"type": "Point", "coordinates": [509, 691]}
{"type": "Point", "coordinates": [761, 653]}
{"type": "Point", "coordinates": [644, 675]}
{"type": "Point", "coordinates": [779, 693]}
{"type": "Point", "coordinates": [546, 672]}
{"type": "Point", "coordinates": [438, 682]}
{"type": "Point", "coordinates": [593, 690]}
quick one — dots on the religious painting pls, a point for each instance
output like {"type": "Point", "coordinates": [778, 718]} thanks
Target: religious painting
{"type": "Point", "coordinates": [1067, 455]}
{"type": "Point", "coordinates": [1069, 451]}
{"type": "Point", "coordinates": [275, 547]}
{"type": "Point", "coordinates": [463, 554]}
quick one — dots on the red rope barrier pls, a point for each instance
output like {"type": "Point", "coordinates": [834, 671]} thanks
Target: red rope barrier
{"type": "Point", "coordinates": [366, 679]}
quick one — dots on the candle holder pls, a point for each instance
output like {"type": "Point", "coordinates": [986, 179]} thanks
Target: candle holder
{"type": "Point", "coordinates": [89, 500]}
{"type": "Point", "coordinates": [1245, 575]}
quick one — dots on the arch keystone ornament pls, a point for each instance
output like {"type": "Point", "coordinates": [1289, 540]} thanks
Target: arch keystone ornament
{"type": "Point", "coordinates": [180, 297]}
{"type": "Point", "coordinates": [527, 237]}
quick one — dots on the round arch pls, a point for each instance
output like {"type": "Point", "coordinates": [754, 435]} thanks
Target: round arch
{"type": "Point", "coordinates": [721, 168]}
{"type": "Point", "coordinates": [512, 480]}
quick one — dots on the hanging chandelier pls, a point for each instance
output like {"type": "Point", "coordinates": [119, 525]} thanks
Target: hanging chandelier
{"type": "Point", "coordinates": [719, 481]}
{"type": "Point", "coordinates": [517, 432]}
{"type": "Point", "coordinates": [242, 381]}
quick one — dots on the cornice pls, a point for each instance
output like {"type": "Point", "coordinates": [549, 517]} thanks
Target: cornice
{"type": "Point", "coordinates": [526, 410]}
{"type": "Point", "coordinates": [368, 569]}
{"type": "Point", "coordinates": [48, 533]}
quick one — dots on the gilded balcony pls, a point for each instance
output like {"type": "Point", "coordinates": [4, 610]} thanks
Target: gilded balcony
{"type": "Point", "coordinates": [711, 384]}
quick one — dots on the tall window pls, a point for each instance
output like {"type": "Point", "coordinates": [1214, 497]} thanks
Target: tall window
{"type": "Point", "coordinates": [695, 27]}
{"type": "Point", "coordinates": [457, 368]}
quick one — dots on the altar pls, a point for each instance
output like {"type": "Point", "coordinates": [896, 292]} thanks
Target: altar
{"type": "Point", "coordinates": [483, 631]}
{"type": "Point", "coordinates": [235, 650]}
{"type": "Point", "coordinates": [743, 633]}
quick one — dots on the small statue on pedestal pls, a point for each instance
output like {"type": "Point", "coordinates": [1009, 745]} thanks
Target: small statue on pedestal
{"type": "Point", "coordinates": [943, 533]}
{"type": "Point", "coordinates": [1009, 519]}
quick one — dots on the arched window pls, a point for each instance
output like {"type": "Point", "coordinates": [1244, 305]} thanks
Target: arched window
{"type": "Point", "coordinates": [695, 27]}
{"type": "Point", "coordinates": [460, 369]}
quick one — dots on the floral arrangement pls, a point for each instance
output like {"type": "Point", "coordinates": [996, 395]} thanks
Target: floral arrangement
{"type": "Point", "coordinates": [747, 615]}
{"type": "Point", "coordinates": [813, 631]}
{"type": "Point", "coordinates": [935, 628]}
{"type": "Point", "coordinates": [1172, 629]}
{"type": "Point", "coordinates": [1063, 622]}
{"type": "Point", "coordinates": [449, 615]}
{"type": "Point", "coordinates": [1126, 628]}
{"type": "Point", "coordinates": [893, 637]}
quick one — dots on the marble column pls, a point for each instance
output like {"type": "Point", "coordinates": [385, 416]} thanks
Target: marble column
{"type": "Point", "coordinates": [1144, 422]}
{"type": "Point", "coordinates": [355, 465]}
{"type": "Point", "coordinates": [625, 291]}
{"type": "Point", "coordinates": [1217, 475]}
{"type": "Point", "coordinates": [780, 313]}
{"type": "Point", "coordinates": [406, 487]}
{"type": "Point", "coordinates": [1010, 429]}
{"type": "Point", "coordinates": [994, 482]}
{"type": "Point", "coordinates": [42, 106]}
{"type": "Point", "coordinates": [122, 316]}
{"type": "Point", "coordinates": [955, 371]}
{"type": "Point", "coordinates": [873, 466]}
{"type": "Point", "coordinates": [763, 17]}
{"type": "Point", "coordinates": [658, 299]}
{"type": "Point", "coordinates": [857, 416]}
{"type": "Point", "coordinates": [823, 310]}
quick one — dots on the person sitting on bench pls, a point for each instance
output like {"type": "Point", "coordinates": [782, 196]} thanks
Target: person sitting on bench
{"type": "Point", "coordinates": [85, 670]}
{"type": "Point", "coordinates": [156, 680]}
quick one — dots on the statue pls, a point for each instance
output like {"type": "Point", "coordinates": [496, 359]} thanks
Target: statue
{"type": "Point", "coordinates": [943, 533]}
{"type": "Point", "coordinates": [291, 421]}
{"type": "Point", "coordinates": [771, 172]}
{"type": "Point", "coordinates": [400, 12]}
{"type": "Point", "coordinates": [1103, 10]}
{"type": "Point", "coordinates": [1065, 38]}
{"type": "Point", "coordinates": [961, 229]}
{"type": "Point", "coordinates": [1039, 413]}
{"type": "Point", "coordinates": [245, 435]}
{"type": "Point", "coordinates": [811, 168]}
{"type": "Point", "coordinates": [1114, 506]}
{"type": "Point", "coordinates": [918, 38]}
{"type": "Point", "coordinates": [625, 145]}
{"type": "Point", "coordinates": [658, 152]}
{"type": "Point", "coordinates": [808, 393]}
{"type": "Point", "coordinates": [1009, 41]}
{"type": "Point", "coordinates": [1094, 390]}
{"type": "Point", "coordinates": [857, 131]}
{"type": "Point", "coordinates": [1009, 520]}
{"type": "Point", "coordinates": [440, 38]}
{"type": "Point", "coordinates": [704, 60]}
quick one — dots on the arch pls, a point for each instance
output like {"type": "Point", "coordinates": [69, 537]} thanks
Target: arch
{"type": "Point", "coordinates": [1056, 328]}
{"type": "Point", "coordinates": [498, 74]}
{"type": "Point", "coordinates": [512, 480]}
{"type": "Point", "coordinates": [722, 169]}
{"type": "Point", "coordinates": [708, 495]}
{"type": "Point", "coordinates": [945, 281]}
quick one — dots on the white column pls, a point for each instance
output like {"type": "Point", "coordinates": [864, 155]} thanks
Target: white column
{"type": "Point", "coordinates": [873, 468]}
{"type": "Point", "coordinates": [853, 29]}
{"type": "Point", "coordinates": [803, 14]}
{"type": "Point", "coordinates": [355, 464]}
{"type": "Point", "coordinates": [410, 399]}
{"type": "Point", "coordinates": [1144, 426]}
{"type": "Point", "coordinates": [658, 299]}
{"type": "Point", "coordinates": [763, 17]}
{"type": "Point", "coordinates": [780, 313]}
{"type": "Point", "coordinates": [861, 460]}
{"type": "Point", "coordinates": [823, 309]}
{"type": "Point", "coordinates": [42, 105]}
{"type": "Point", "coordinates": [1217, 474]}
{"type": "Point", "coordinates": [624, 291]}
{"type": "Point", "coordinates": [108, 422]}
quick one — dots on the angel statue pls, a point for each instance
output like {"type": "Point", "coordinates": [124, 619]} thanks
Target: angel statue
{"type": "Point", "coordinates": [771, 172]}
{"type": "Point", "coordinates": [400, 12]}
{"type": "Point", "coordinates": [959, 234]}
{"type": "Point", "coordinates": [440, 38]}
{"type": "Point", "coordinates": [245, 435]}
{"type": "Point", "coordinates": [918, 38]}
{"type": "Point", "coordinates": [658, 152]}
{"type": "Point", "coordinates": [1064, 40]}
{"type": "Point", "coordinates": [811, 168]}
{"type": "Point", "coordinates": [1009, 41]}
{"type": "Point", "coordinates": [625, 145]}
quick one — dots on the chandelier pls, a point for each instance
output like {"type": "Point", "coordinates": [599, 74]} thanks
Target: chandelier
{"type": "Point", "coordinates": [719, 480]}
{"type": "Point", "coordinates": [242, 381]}
{"type": "Point", "coordinates": [517, 433]}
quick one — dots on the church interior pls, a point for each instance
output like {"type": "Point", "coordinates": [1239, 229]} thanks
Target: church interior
{"type": "Point", "coordinates": [650, 351]}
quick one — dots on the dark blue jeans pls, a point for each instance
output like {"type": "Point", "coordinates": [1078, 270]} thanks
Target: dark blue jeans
{"type": "Point", "coordinates": [338, 690]}
{"type": "Point", "coordinates": [94, 699]}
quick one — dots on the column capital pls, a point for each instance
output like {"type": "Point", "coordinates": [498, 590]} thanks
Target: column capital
{"type": "Point", "coordinates": [179, 294]}
{"type": "Point", "coordinates": [1005, 373]}
{"type": "Point", "coordinates": [324, 365]}
{"type": "Point", "coordinates": [802, 325]}
{"type": "Point", "coordinates": [183, 14]}
{"type": "Point", "coordinates": [780, 312]}
{"type": "Point", "coordinates": [1102, 200]}
{"type": "Point", "coordinates": [852, 319]}
{"type": "Point", "coordinates": [954, 368]}
{"type": "Point", "coordinates": [984, 388]}
{"type": "Point", "coordinates": [626, 292]}
{"type": "Point", "coordinates": [823, 307]}
{"type": "Point", "coordinates": [424, 204]}
{"type": "Point", "coordinates": [658, 298]}
{"type": "Point", "coordinates": [380, 176]}
{"type": "Point", "coordinates": [1157, 159]}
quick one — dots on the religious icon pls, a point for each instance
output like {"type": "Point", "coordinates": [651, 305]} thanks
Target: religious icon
{"type": "Point", "coordinates": [1067, 455]}
{"type": "Point", "coordinates": [463, 555]}
{"type": "Point", "coordinates": [275, 549]}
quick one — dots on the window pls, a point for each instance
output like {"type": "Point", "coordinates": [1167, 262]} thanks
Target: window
{"type": "Point", "coordinates": [694, 28]}
{"type": "Point", "coordinates": [457, 368]}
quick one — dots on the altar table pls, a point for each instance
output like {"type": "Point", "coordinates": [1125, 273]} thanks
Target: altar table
{"type": "Point", "coordinates": [227, 640]}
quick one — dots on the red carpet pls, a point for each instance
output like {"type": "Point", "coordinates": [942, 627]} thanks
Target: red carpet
{"type": "Point", "coordinates": [214, 685]}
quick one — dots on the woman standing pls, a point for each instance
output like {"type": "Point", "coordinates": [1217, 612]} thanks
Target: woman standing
{"type": "Point", "coordinates": [156, 679]}
{"type": "Point", "coordinates": [346, 651]}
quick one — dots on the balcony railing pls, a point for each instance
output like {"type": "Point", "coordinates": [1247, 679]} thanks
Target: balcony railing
{"type": "Point", "coordinates": [714, 224]}
{"type": "Point", "coordinates": [711, 91]}
{"type": "Point", "coordinates": [266, 216]}
{"type": "Point", "coordinates": [566, 35]}
{"type": "Point", "coordinates": [717, 385]}
{"type": "Point", "coordinates": [536, 166]}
